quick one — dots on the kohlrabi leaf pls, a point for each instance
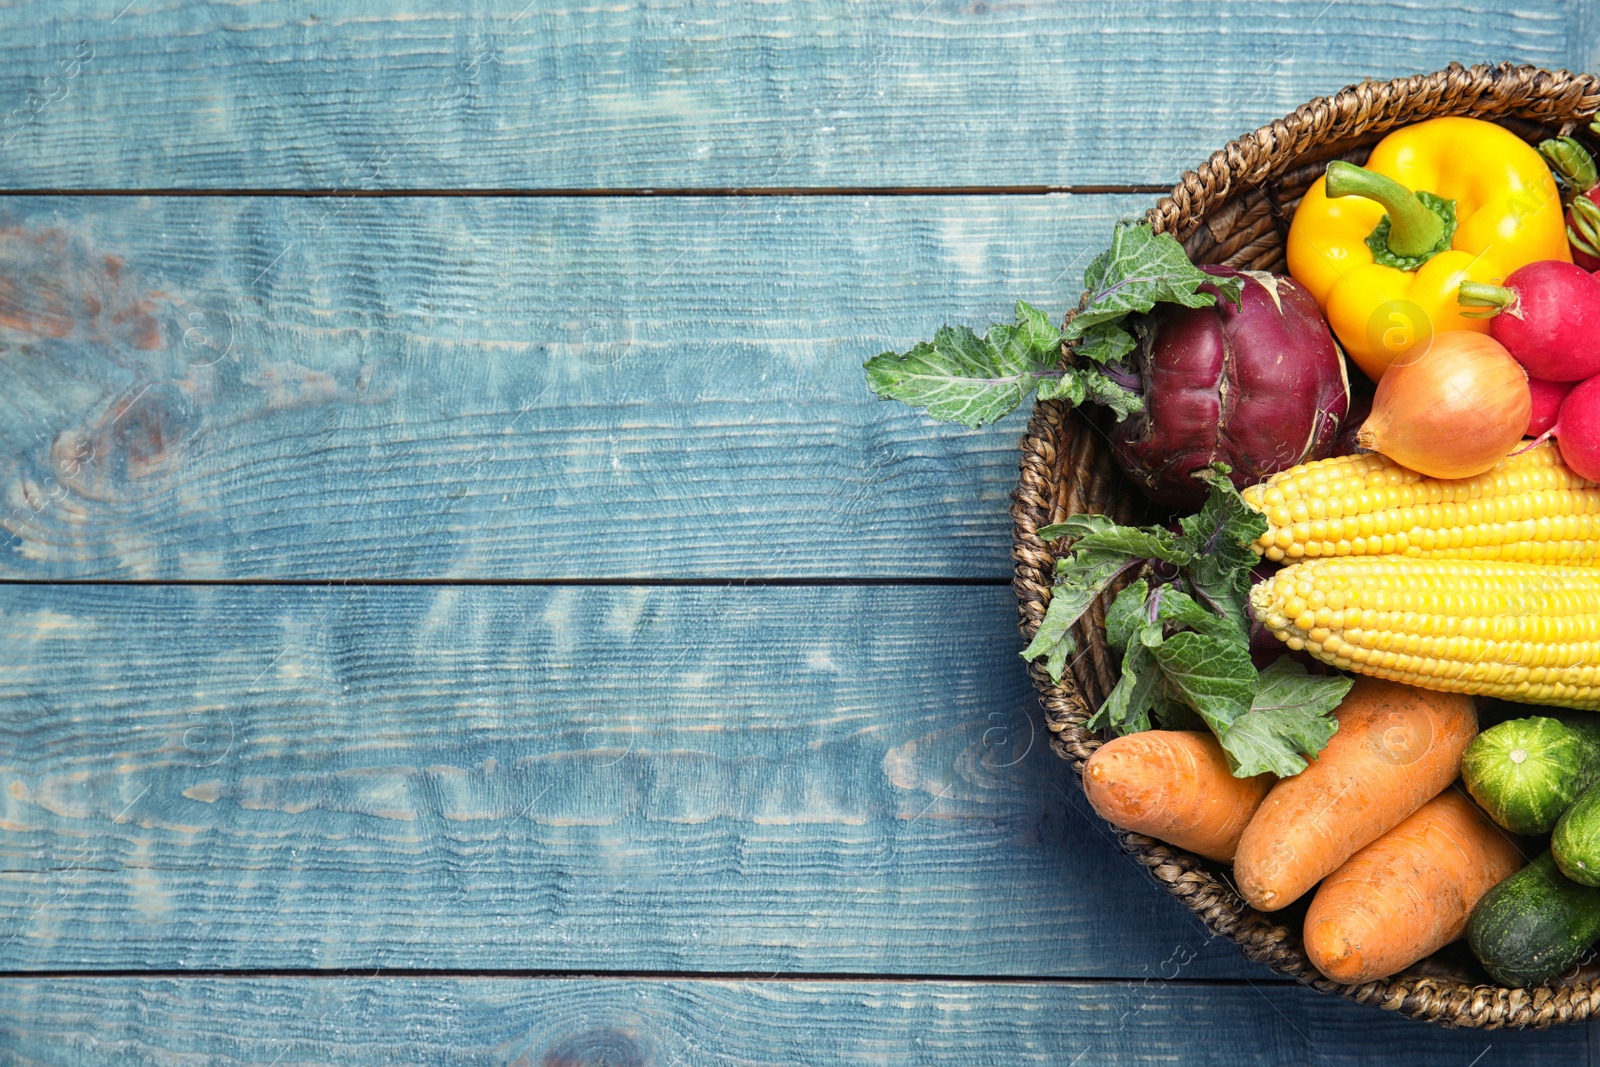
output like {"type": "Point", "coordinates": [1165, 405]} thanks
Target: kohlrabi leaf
{"type": "Point", "coordinates": [1078, 384]}
{"type": "Point", "coordinates": [1186, 658]}
{"type": "Point", "coordinates": [1122, 402]}
{"type": "Point", "coordinates": [1104, 342]}
{"type": "Point", "coordinates": [1078, 526]}
{"type": "Point", "coordinates": [1172, 713]}
{"type": "Point", "coordinates": [1069, 387]}
{"type": "Point", "coordinates": [1170, 604]}
{"type": "Point", "coordinates": [1148, 542]}
{"type": "Point", "coordinates": [1141, 269]}
{"type": "Point", "coordinates": [1036, 329]}
{"type": "Point", "coordinates": [1081, 578]}
{"type": "Point", "coordinates": [1219, 539]}
{"type": "Point", "coordinates": [1126, 614]}
{"type": "Point", "coordinates": [1290, 717]}
{"type": "Point", "coordinates": [961, 377]}
{"type": "Point", "coordinates": [1212, 675]}
{"type": "Point", "coordinates": [1127, 707]}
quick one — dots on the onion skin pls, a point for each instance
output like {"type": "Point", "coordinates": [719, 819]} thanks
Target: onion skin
{"type": "Point", "coordinates": [1455, 411]}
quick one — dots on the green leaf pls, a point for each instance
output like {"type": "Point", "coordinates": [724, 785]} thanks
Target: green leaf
{"type": "Point", "coordinates": [1081, 578]}
{"type": "Point", "coordinates": [1054, 640]}
{"type": "Point", "coordinates": [1127, 707]}
{"type": "Point", "coordinates": [1219, 539]}
{"type": "Point", "coordinates": [1092, 529]}
{"type": "Point", "coordinates": [1225, 523]}
{"type": "Point", "coordinates": [1266, 722]}
{"type": "Point", "coordinates": [1149, 542]}
{"type": "Point", "coordinates": [1289, 717]}
{"type": "Point", "coordinates": [1080, 525]}
{"type": "Point", "coordinates": [1139, 270]}
{"type": "Point", "coordinates": [1078, 384]}
{"type": "Point", "coordinates": [1175, 606]}
{"type": "Point", "coordinates": [1214, 676]}
{"type": "Point", "coordinates": [1077, 527]}
{"type": "Point", "coordinates": [1105, 342]}
{"type": "Point", "coordinates": [1186, 659]}
{"type": "Point", "coordinates": [1109, 394]}
{"type": "Point", "coordinates": [1070, 387]}
{"type": "Point", "coordinates": [960, 377]}
{"type": "Point", "coordinates": [1126, 614]}
{"type": "Point", "coordinates": [1173, 713]}
{"type": "Point", "coordinates": [1038, 332]}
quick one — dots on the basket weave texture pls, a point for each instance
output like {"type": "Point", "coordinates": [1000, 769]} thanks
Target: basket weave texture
{"type": "Point", "coordinates": [1235, 209]}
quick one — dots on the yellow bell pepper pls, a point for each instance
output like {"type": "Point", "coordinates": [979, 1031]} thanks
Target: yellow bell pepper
{"type": "Point", "coordinates": [1487, 205]}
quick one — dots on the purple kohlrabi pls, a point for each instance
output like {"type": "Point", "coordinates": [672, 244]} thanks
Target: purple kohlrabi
{"type": "Point", "coordinates": [1260, 387]}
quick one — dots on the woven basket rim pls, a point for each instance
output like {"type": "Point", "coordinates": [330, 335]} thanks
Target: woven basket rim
{"type": "Point", "coordinates": [1063, 470]}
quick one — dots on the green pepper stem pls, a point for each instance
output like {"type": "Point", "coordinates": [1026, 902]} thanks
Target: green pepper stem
{"type": "Point", "coordinates": [1484, 295]}
{"type": "Point", "coordinates": [1413, 229]}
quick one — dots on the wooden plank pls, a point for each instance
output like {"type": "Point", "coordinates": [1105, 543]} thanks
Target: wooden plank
{"type": "Point", "coordinates": [586, 1023]}
{"type": "Point", "coordinates": [491, 95]}
{"type": "Point", "coordinates": [247, 388]}
{"type": "Point", "coordinates": [796, 780]}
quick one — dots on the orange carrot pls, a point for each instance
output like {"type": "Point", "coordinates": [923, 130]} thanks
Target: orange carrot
{"type": "Point", "coordinates": [1396, 748]}
{"type": "Point", "coordinates": [1173, 785]}
{"type": "Point", "coordinates": [1409, 893]}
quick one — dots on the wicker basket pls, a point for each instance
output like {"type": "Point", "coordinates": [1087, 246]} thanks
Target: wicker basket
{"type": "Point", "coordinates": [1235, 209]}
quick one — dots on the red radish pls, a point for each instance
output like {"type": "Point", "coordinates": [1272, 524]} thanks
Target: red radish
{"type": "Point", "coordinates": [1547, 398]}
{"type": "Point", "coordinates": [1547, 315]}
{"type": "Point", "coordinates": [1578, 430]}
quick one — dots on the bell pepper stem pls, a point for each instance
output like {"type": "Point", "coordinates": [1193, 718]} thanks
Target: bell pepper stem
{"type": "Point", "coordinates": [1413, 229]}
{"type": "Point", "coordinates": [1496, 298]}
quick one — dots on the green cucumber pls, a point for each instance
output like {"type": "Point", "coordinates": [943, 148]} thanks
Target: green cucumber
{"type": "Point", "coordinates": [1576, 843]}
{"type": "Point", "coordinates": [1586, 723]}
{"type": "Point", "coordinates": [1534, 925]}
{"type": "Point", "coordinates": [1526, 772]}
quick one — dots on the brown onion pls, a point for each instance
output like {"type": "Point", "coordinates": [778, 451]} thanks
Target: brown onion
{"type": "Point", "coordinates": [1453, 412]}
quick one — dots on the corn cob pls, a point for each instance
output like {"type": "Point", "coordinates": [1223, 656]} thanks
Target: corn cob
{"type": "Point", "coordinates": [1530, 508]}
{"type": "Point", "coordinates": [1521, 631]}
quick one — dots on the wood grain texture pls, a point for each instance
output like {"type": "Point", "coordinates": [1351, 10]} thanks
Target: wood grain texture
{"type": "Point", "coordinates": [510, 94]}
{"type": "Point", "coordinates": [578, 1023]}
{"type": "Point", "coordinates": [246, 388]}
{"type": "Point", "coordinates": [722, 780]}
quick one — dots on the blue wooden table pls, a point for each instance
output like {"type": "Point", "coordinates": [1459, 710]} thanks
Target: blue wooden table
{"type": "Point", "coordinates": [460, 601]}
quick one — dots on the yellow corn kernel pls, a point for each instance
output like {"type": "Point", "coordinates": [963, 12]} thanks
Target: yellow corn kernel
{"type": "Point", "coordinates": [1530, 508]}
{"type": "Point", "coordinates": [1521, 631]}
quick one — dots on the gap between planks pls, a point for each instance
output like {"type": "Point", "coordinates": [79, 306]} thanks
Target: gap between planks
{"type": "Point", "coordinates": [775, 191]}
{"type": "Point", "coordinates": [823, 581]}
{"type": "Point", "coordinates": [346, 974]}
